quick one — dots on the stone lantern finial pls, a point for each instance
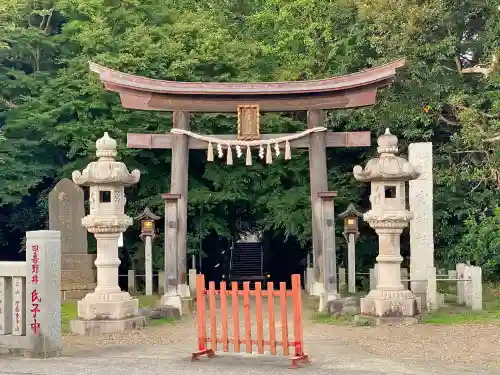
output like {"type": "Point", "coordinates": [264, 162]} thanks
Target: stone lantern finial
{"type": "Point", "coordinates": [387, 143]}
{"type": "Point", "coordinates": [106, 147]}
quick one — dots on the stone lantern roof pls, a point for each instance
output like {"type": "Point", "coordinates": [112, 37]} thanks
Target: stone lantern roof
{"type": "Point", "coordinates": [106, 170]}
{"type": "Point", "coordinates": [388, 166]}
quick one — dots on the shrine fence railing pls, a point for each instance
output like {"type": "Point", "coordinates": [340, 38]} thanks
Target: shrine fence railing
{"type": "Point", "coordinates": [253, 318]}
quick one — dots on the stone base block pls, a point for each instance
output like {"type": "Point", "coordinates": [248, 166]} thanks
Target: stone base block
{"type": "Point", "coordinates": [103, 326]}
{"type": "Point", "coordinates": [75, 262]}
{"type": "Point", "coordinates": [325, 298]}
{"type": "Point", "coordinates": [342, 306]}
{"type": "Point", "coordinates": [161, 312]}
{"type": "Point", "coordinates": [380, 303]}
{"type": "Point", "coordinates": [33, 353]}
{"type": "Point", "coordinates": [172, 301]}
{"type": "Point", "coordinates": [386, 321]}
{"type": "Point", "coordinates": [69, 295]}
{"type": "Point", "coordinates": [113, 306]}
{"type": "Point", "coordinates": [74, 291]}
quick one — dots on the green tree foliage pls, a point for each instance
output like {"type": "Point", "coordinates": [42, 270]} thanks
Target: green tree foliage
{"type": "Point", "coordinates": [52, 108]}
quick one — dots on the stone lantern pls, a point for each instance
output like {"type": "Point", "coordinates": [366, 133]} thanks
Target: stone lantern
{"type": "Point", "coordinates": [107, 309]}
{"type": "Point", "coordinates": [351, 234]}
{"type": "Point", "coordinates": [388, 216]}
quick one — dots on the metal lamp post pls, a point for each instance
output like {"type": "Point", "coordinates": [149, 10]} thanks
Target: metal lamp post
{"type": "Point", "coordinates": [147, 220]}
{"type": "Point", "coordinates": [351, 234]}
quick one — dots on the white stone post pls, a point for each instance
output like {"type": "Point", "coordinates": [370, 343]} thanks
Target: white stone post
{"type": "Point", "coordinates": [43, 293]}
{"type": "Point", "coordinates": [460, 267]}
{"type": "Point", "coordinates": [468, 285]}
{"type": "Point", "coordinates": [107, 309]}
{"type": "Point", "coordinates": [342, 280]}
{"type": "Point", "coordinates": [192, 280]}
{"type": "Point", "coordinates": [431, 297]}
{"type": "Point", "coordinates": [192, 274]}
{"type": "Point", "coordinates": [131, 281]}
{"type": "Point", "coordinates": [310, 279]}
{"type": "Point", "coordinates": [421, 205]}
{"type": "Point", "coordinates": [148, 258]}
{"type": "Point", "coordinates": [477, 288]}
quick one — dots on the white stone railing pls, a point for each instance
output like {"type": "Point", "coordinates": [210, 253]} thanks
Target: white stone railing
{"type": "Point", "coordinates": [30, 298]}
{"type": "Point", "coordinates": [468, 281]}
{"type": "Point", "coordinates": [469, 286]}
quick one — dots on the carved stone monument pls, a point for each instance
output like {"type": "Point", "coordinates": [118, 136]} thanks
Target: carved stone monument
{"type": "Point", "coordinates": [66, 210]}
{"type": "Point", "coordinates": [389, 301]}
{"type": "Point", "coordinates": [107, 309]}
{"type": "Point", "coordinates": [421, 227]}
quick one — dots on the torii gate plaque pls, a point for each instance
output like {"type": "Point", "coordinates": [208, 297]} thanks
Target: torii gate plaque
{"type": "Point", "coordinates": [248, 100]}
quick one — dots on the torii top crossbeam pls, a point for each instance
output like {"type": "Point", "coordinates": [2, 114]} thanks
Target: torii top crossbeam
{"type": "Point", "coordinates": [347, 91]}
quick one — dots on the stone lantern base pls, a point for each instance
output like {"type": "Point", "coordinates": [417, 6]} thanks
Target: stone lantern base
{"type": "Point", "coordinates": [391, 307]}
{"type": "Point", "coordinates": [101, 313]}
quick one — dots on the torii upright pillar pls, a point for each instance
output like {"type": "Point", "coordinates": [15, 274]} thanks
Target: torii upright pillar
{"type": "Point", "coordinates": [319, 184]}
{"type": "Point", "coordinates": [179, 185]}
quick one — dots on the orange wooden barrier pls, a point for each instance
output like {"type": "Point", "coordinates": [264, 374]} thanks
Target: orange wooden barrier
{"type": "Point", "coordinates": [245, 338]}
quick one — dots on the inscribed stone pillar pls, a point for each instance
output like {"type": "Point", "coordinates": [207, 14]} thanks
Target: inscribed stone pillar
{"type": "Point", "coordinates": [319, 183]}
{"type": "Point", "coordinates": [179, 185]}
{"type": "Point", "coordinates": [43, 296]}
{"type": "Point", "coordinates": [421, 227]}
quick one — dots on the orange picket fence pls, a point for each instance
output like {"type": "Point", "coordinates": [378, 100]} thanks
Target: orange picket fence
{"type": "Point", "coordinates": [247, 338]}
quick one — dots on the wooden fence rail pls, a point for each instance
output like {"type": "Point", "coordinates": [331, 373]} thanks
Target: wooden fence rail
{"type": "Point", "coordinates": [246, 338]}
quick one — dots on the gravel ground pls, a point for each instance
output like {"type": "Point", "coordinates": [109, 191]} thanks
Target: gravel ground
{"type": "Point", "coordinates": [475, 344]}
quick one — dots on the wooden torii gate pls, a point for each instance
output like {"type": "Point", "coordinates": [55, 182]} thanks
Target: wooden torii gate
{"type": "Point", "coordinates": [248, 100]}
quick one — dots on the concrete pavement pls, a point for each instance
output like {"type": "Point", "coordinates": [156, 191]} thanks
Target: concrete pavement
{"type": "Point", "coordinates": [328, 358]}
